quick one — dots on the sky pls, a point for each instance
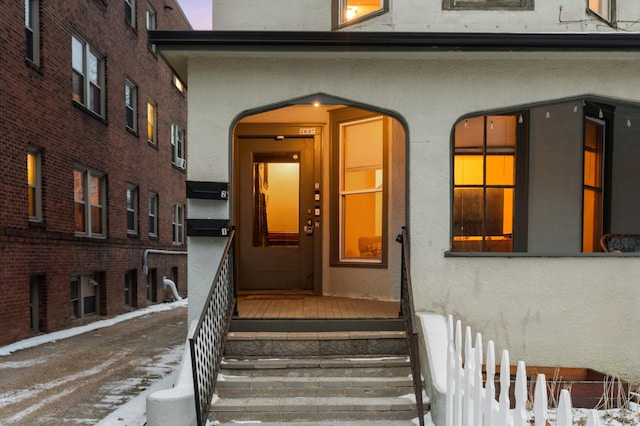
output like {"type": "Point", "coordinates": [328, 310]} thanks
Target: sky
{"type": "Point", "coordinates": [198, 12]}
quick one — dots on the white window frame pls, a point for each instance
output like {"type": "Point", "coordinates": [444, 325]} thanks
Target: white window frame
{"type": "Point", "coordinates": [86, 176]}
{"type": "Point", "coordinates": [132, 210]}
{"type": "Point", "coordinates": [177, 147]}
{"type": "Point", "coordinates": [178, 224]}
{"type": "Point", "coordinates": [151, 18]}
{"type": "Point", "coordinates": [487, 4]}
{"type": "Point", "coordinates": [86, 61]}
{"type": "Point", "coordinates": [34, 184]}
{"type": "Point", "coordinates": [32, 30]}
{"type": "Point", "coordinates": [130, 12]}
{"type": "Point", "coordinates": [131, 105]}
{"type": "Point", "coordinates": [152, 122]}
{"type": "Point", "coordinates": [153, 214]}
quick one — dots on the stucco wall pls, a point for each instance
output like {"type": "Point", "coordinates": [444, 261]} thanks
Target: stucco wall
{"type": "Point", "coordinates": [571, 311]}
{"type": "Point", "coordinates": [419, 15]}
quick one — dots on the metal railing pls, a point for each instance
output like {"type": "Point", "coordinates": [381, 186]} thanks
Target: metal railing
{"type": "Point", "coordinates": [411, 329]}
{"type": "Point", "coordinates": [209, 337]}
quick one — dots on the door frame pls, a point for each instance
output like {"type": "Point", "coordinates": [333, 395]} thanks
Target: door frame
{"type": "Point", "coordinates": [314, 130]}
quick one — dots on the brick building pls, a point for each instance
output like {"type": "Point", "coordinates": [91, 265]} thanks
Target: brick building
{"type": "Point", "coordinates": [93, 219]}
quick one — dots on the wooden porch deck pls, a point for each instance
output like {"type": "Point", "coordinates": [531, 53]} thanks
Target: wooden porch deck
{"type": "Point", "coordinates": [275, 306]}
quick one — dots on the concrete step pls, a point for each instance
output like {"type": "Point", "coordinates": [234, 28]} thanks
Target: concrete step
{"type": "Point", "coordinates": [287, 344]}
{"type": "Point", "coordinates": [412, 422]}
{"type": "Point", "coordinates": [315, 377]}
{"type": "Point", "coordinates": [315, 390]}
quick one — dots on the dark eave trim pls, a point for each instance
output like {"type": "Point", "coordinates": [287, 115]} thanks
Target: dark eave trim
{"type": "Point", "coordinates": [358, 41]}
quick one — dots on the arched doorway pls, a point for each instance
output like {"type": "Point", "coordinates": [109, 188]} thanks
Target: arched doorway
{"type": "Point", "coordinates": [319, 188]}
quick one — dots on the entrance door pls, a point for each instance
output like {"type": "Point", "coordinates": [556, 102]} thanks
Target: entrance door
{"type": "Point", "coordinates": [275, 213]}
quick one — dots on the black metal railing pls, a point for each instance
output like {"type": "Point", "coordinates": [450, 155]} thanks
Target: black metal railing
{"type": "Point", "coordinates": [210, 334]}
{"type": "Point", "coordinates": [411, 329]}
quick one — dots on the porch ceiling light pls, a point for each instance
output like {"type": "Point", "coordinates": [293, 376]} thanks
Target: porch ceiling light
{"type": "Point", "coordinates": [352, 11]}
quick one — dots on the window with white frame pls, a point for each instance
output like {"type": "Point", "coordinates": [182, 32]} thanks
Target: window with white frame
{"type": "Point", "coordinates": [178, 224]}
{"type": "Point", "coordinates": [152, 122]}
{"type": "Point", "coordinates": [34, 186]}
{"type": "Point", "coordinates": [347, 12]}
{"type": "Point", "coordinates": [177, 146]}
{"type": "Point", "coordinates": [130, 12]}
{"type": "Point", "coordinates": [151, 18]}
{"type": "Point", "coordinates": [32, 30]}
{"type": "Point", "coordinates": [132, 210]}
{"type": "Point", "coordinates": [131, 105]}
{"type": "Point", "coordinates": [487, 4]}
{"type": "Point", "coordinates": [178, 83]}
{"type": "Point", "coordinates": [88, 76]}
{"type": "Point", "coordinates": [153, 214]}
{"type": "Point", "coordinates": [602, 8]}
{"type": "Point", "coordinates": [89, 191]}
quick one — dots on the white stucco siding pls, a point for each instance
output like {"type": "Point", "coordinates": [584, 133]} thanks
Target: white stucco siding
{"type": "Point", "coordinates": [570, 311]}
{"type": "Point", "coordinates": [419, 15]}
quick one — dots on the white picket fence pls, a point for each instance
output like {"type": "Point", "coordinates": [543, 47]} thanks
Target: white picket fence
{"type": "Point", "coordinates": [470, 402]}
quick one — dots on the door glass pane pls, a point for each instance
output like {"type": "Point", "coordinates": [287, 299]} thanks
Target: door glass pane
{"type": "Point", "coordinates": [276, 194]}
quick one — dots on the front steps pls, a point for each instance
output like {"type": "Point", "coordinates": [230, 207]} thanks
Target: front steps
{"type": "Point", "coordinates": [341, 378]}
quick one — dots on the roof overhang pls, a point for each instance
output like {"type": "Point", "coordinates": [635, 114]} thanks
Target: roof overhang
{"type": "Point", "coordinates": [177, 46]}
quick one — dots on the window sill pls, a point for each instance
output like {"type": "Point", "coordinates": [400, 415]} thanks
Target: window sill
{"type": "Point", "coordinates": [89, 112]}
{"type": "Point", "coordinates": [366, 265]}
{"type": "Point", "coordinates": [132, 131]}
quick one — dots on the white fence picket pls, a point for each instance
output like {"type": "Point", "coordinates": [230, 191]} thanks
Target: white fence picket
{"type": "Point", "coordinates": [470, 402]}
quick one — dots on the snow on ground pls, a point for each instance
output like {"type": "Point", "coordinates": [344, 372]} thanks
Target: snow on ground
{"type": "Point", "coordinates": [64, 334]}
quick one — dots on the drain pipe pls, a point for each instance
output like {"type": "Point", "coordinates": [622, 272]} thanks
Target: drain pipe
{"type": "Point", "coordinates": [166, 282]}
{"type": "Point", "coordinates": [145, 268]}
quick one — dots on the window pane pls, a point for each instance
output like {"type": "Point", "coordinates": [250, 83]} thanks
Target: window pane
{"type": "Point", "coordinates": [468, 170]}
{"type": "Point", "coordinates": [96, 220]}
{"type": "Point", "coordinates": [151, 122]}
{"type": "Point", "coordinates": [79, 215]}
{"type": "Point", "coordinates": [362, 152]}
{"type": "Point", "coordinates": [362, 226]}
{"type": "Point", "coordinates": [77, 50]}
{"type": "Point", "coordinates": [276, 198]}
{"type": "Point", "coordinates": [500, 170]}
{"type": "Point", "coordinates": [77, 87]}
{"type": "Point", "coordinates": [354, 9]}
{"type": "Point", "coordinates": [501, 131]}
{"type": "Point", "coordinates": [94, 188]}
{"type": "Point", "coordinates": [78, 185]}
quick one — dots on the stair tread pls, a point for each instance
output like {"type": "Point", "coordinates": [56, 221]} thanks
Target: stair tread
{"type": "Point", "coordinates": [327, 423]}
{"type": "Point", "coordinates": [391, 403]}
{"type": "Point", "coordinates": [234, 380]}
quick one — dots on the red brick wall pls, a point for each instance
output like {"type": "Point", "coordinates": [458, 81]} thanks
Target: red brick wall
{"type": "Point", "coordinates": [36, 110]}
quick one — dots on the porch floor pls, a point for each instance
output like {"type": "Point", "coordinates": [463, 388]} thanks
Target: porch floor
{"type": "Point", "coordinates": [280, 306]}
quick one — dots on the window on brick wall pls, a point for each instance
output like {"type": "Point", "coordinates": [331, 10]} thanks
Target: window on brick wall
{"type": "Point", "coordinates": [89, 189]}
{"type": "Point", "coordinates": [178, 84]}
{"type": "Point", "coordinates": [130, 12]}
{"type": "Point", "coordinates": [177, 146]}
{"type": "Point", "coordinates": [34, 186]}
{"type": "Point", "coordinates": [32, 30]}
{"type": "Point", "coordinates": [151, 18]}
{"type": "Point", "coordinates": [178, 224]}
{"type": "Point", "coordinates": [84, 291]}
{"type": "Point", "coordinates": [131, 105]}
{"type": "Point", "coordinates": [152, 122]}
{"type": "Point", "coordinates": [487, 4]}
{"type": "Point", "coordinates": [153, 214]}
{"type": "Point", "coordinates": [132, 210]}
{"type": "Point", "coordinates": [87, 76]}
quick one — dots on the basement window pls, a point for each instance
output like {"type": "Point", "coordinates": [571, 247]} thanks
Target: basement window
{"type": "Point", "coordinates": [348, 12]}
{"type": "Point", "coordinates": [487, 4]}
